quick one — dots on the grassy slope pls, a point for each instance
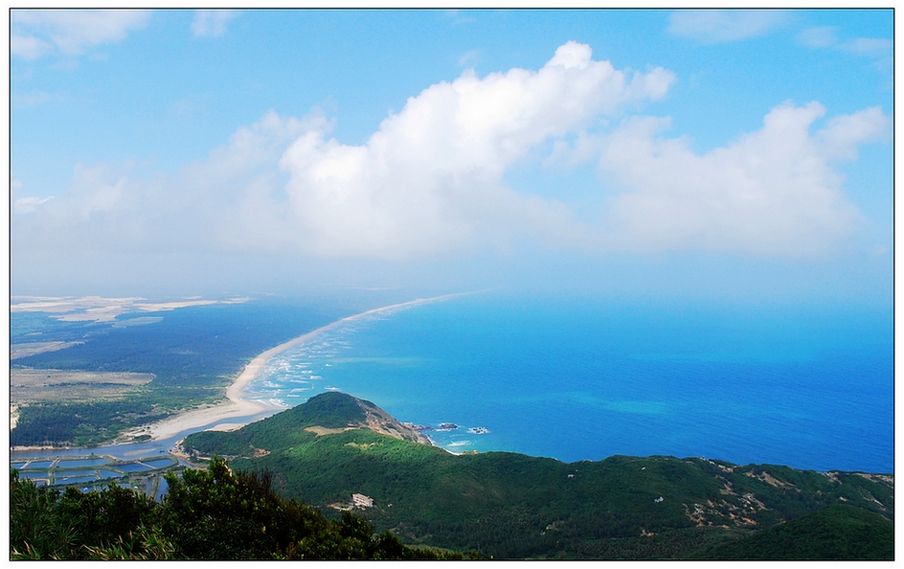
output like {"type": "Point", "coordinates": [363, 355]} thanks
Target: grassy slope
{"type": "Point", "coordinates": [510, 505]}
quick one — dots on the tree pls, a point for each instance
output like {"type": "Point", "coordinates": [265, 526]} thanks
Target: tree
{"type": "Point", "coordinates": [206, 514]}
{"type": "Point", "coordinates": [221, 514]}
{"type": "Point", "coordinates": [115, 523]}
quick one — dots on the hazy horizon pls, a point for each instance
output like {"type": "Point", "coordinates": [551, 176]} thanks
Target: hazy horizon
{"type": "Point", "coordinates": [705, 156]}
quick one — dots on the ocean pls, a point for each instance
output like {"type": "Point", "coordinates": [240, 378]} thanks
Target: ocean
{"type": "Point", "coordinates": [805, 386]}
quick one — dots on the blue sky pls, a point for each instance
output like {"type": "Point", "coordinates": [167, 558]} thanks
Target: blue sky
{"type": "Point", "coordinates": [705, 154]}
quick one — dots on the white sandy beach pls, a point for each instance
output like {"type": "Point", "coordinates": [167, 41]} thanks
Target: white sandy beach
{"type": "Point", "coordinates": [237, 407]}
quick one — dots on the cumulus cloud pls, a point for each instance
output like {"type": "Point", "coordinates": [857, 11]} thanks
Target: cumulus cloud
{"type": "Point", "coordinates": [772, 191]}
{"type": "Point", "coordinates": [36, 33]}
{"type": "Point", "coordinates": [431, 177]}
{"type": "Point", "coordinates": [241, 189]}
{"type": "Point", "coordinates": [211, 23]}
{"type": "Point", "coordinates": [431, 181]}
{"type": "Point", "coordinates": [721, 26]}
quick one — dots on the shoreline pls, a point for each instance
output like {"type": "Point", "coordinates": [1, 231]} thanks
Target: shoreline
{"type": "Point", "coordinates": [236, 407]}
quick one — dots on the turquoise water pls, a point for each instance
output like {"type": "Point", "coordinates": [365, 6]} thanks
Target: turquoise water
{"type": "Point", "coordinates": [807, 387]}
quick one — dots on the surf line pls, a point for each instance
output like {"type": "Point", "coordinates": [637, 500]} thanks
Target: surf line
{"type": "Point", "coordinates": [253, 369]}
{"type": "Point", "coordinates": [237, 407]}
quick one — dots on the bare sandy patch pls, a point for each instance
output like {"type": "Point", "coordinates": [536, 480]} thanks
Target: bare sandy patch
{"type": "Point", "coordinates": [29, 385]}
{"type": "Point", "coordinates": [99, 309]}
{"type": "Point", "coordinates": [320, 431]}
{"type": "Point", "coordinates": [151, 307]}
{"type": "Point", "coordinates": [33, 348]}
{"type": "Point", "coordinates": [771, 480]}
{"type": "Point", "coordinates": [67, 304]}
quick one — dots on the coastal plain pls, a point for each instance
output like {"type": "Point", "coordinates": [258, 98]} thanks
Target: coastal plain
{"type": "Point", "coordinates": [239, 406]}
{"type": "Point", "coordinates": [63, 386]}
{"type": "Point", "coordinates": [193, 375]}
{"type": "Point", "coordinates": [192, 349]}
{"type": "Point", "coordinates": [543, 378]}
{"type": "Point", "coordinates": [174, 382]}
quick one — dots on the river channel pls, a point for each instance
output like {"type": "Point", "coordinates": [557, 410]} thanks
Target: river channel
{"type": "Point", "coordinates": [137, 465]}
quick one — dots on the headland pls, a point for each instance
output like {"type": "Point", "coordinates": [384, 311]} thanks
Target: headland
{"type": "Point", "coordinates": [238, 410]}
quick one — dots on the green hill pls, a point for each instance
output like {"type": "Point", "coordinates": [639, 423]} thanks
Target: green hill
{"type": "Point", "coordinates": [834, 532]}
{"type": "Point", "coordinates": [509, 505]}
{"type": "Point", "coordinates": [207, 514]}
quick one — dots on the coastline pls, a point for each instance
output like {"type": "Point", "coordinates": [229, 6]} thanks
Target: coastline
{"type": "Point", "coordinates": [236, 406]}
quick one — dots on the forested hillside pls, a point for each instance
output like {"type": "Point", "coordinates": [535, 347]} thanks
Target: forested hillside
{"type": "Point", "coordinates": [206, 515]}
{"type": "Point", "coordinates": [509, 505]}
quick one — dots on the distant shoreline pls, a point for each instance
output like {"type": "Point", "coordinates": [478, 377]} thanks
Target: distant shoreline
{"type": "Point", "coordinates": [236, 406]}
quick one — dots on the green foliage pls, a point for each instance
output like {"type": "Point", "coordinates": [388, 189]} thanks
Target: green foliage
{"type": "Point", "coordinates": [221, 514]}
{"type": "Point", "coordinates": [332, 410]}
{"type": "Point", "coordinates": [34, 532]}
{"type": "Point", "coordinates": [215, 514]}
{"type": "Point", "coordinates": [510, 506]}
{"type": "Point", "coordinates": [80, 424]}
{"type": "Point", "coordinates": [192, 352]}
{"type": "Point", "coordinates": [836, 532]}
{"type": "Point", "coordinates": [115, 523]}
{"type": "Point", "coordinates": [673, 544]}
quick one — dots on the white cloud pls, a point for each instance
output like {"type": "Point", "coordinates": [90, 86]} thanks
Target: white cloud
{"type": "Point", "coordinates": [431, 180]}
{"type": "Point", "coordinates": [880, 50]}
{"type": "Point", "coordinates": [36, 33]}
{"type": "Point", "coordinates": [825, 36]}
{"type": "Point", "coordinates": [839, 139]}
{"type": "Point", "coordinates": [24, 204]}
{"type": "Point", "coordinates": [871, 47]}
{"type": "Point", "coordinates": [211, 23]}
{"type": "Point", "coordinates": [29, 204]}
{"type": "Point", "coordinates": [721, 26]}
{"type": "Point", "coordinates": [470, 59]}
{"type": "Point", "coordinates": [94, 191]}
{"type": "Point", "coordinates": [458, 17]}
{"type": "Point", "coordinates": [124, 209]}
{"type": "Point", "coordinates": [31, 99]}
{"type": "Point", "coordinates": [29, 47]}
{"type": "Point", "coordinates": [773, 191]}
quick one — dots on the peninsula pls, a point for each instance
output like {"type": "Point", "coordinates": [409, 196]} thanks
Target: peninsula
{"type": "Point", "coordinates": [339, 452]}
{"type": "Point", "coordinates": [238, 410]}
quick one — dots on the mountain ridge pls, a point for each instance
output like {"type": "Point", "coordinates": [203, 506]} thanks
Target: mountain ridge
{"type": "Point", "coordinates": [510, 505]}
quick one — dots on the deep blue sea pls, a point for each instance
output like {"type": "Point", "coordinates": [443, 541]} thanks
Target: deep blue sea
{"type": "Point", "coordinates": [809, 387]}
